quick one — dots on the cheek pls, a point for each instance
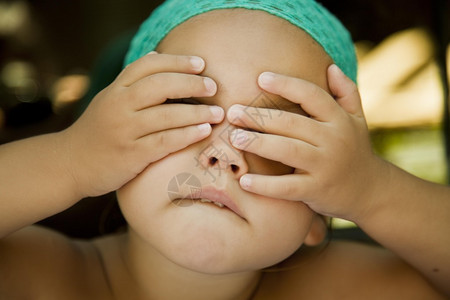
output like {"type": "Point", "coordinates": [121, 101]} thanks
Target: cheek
{"type": "Point", "coordinates": [283, 226]}
{"type": "Point", "coordinates": [144, 199]}
{"type": "Point", "coordinates": [137, 201]}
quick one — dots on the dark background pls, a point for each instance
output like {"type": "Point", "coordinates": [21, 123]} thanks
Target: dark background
{"type": "Point", "coordinates": [70, 34]}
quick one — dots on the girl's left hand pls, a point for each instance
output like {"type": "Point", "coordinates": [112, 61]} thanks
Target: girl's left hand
{"type": "Point", "coordinates": [335, 171]}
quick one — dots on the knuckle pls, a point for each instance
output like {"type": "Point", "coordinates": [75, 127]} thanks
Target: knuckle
{"type": "Point", "coordinates": [181, 62]}
{"type": "Point", "coordinates": [130, 148]}
{"type": "Point", "coordinates": [148, 60]}
{"type": "Point", "coordinates": [170, 139]}
{"type": "Point", "coordinates": [140, 122]}
{"type": "Point", "coordinates": [290, 190]}
{"type": "Point", "coordinates": [178, 62]}
{"type": "Point", "coordinates": [162, 139]}
{"type": "Point", "coordinates": [123, 133]}
{"type": "Point", "coordinates": [195, 83]}
{"type": "Point", "coordinates": [164, 115]}
{"type": "Point", "coordinates": [197, 113]}
{"type": "Point", "coordinates": [122, 73]}
{"type": "Point", "coordinates": [181, 85]}
{"type": "Point", "coordinates": [155, 80]}
{"type": "Point", "coordinates": [292, 149]}
{"type": "Point", "coordinates": [315, 91]}
{"type": "Point", "coordinates": [131, 94]}
{"type": "Point", "coordinates": [290, 123]}
{"type": "Point", "coordinates": [192, 85]}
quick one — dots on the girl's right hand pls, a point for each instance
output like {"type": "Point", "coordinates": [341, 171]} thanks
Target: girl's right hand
{"type": "Point", "coordinates": [125, 128]}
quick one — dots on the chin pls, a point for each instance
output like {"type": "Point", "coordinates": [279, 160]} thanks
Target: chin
{"type": "Point", "coordinates": [213, 252]}
{"type": "Point", "coordinates": [205, 250]}
{"type": "Point", "coordinates": [210, 261]}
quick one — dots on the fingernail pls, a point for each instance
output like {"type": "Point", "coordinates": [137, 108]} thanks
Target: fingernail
{"type": "Point", "coordinates": [197, 63]}
{"type": "Point", "coordinates": [204, 129]}
{"type": "Point", "coordinates": [235, 112]}
{"type": "Point", "coordinates": [152, 52]}
{"type": "Point", "coordinates": [266, 78]}
{"type": "Point", "coordinates": [335, 68]}
{"type": "Point", "coordinates": [210, 86]}
{"type": "Point", "coordinates": [245, 181]}
{"type": "Point", "coordinates": [238, 138]}
{"type": "Point", "coordinates": [217, 113]}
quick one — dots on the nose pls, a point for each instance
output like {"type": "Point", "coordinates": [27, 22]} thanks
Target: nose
{"type": "Point", "coordinates": [217, 155]}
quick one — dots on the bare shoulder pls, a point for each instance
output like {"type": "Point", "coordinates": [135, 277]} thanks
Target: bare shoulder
{"type": "Point", "coordinates": [349, 270]}
{"type": "Point", "coordinates": [36, 263]}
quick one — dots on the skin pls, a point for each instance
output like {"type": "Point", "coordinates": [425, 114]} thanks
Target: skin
{"type": "Point", "coordinates": [201, 251]}
{"type": "Point", "coordinates": [214, 242]}
{"type": "Point", "coordinates": [89, 160]}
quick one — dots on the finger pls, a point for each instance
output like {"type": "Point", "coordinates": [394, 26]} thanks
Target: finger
{"type": "Point", "coordinates": [168, 116]}
{"type": "Point", "coordinates": [288, 187]}
{"type": "Point", "coordinates": [156, 89]}
{"type": "Point", "coordinates": [163, 143]}
{"type": "Point", "coordinates": [313, 99]}
{"type": "Point", "coordinates": [344, 90]}
{"type": "Point", "coordinates": [276, 122]}
{"type": "Point", "coordinates": [157, 63]}
{"type": "Point", "coordinates": [291, 152]}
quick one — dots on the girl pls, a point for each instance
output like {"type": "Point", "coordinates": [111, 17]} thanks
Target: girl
{"type": "Point", "coordinates": [213, 200]}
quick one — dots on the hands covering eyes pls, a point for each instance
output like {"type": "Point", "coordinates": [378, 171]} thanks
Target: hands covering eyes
{"type": "Point", "coordinates": [330, 149]}
{"type": "Point", "coordinates": [125, 128]}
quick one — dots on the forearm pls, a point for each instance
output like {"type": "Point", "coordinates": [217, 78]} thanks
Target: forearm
{"type": "Point", "coordinates": [411, 217]}
{"type": "Point", "coordinates": [34, 181]}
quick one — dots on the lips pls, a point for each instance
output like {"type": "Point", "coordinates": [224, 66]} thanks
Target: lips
{"type": "Point", "coordinates": [218, 197]}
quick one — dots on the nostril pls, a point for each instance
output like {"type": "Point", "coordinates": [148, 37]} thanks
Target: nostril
{"type": "Point", "coordinates": [212, 161]}
{"type": "Point", "coordinates": [234, 168]}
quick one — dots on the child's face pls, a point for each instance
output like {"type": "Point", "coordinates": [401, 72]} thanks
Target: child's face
{"type": "Point", "coordinates": [237, 46]}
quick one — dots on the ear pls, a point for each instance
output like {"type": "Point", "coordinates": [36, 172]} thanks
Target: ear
{"type": "Point", "coordinates": [317, 232]}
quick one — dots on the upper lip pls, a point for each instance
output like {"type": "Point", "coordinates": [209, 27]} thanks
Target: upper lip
{"type": "Point", "coordinates": [220, 196]}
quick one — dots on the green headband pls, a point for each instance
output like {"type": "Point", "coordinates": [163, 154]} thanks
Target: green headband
{"type": "Point", "coordinates": [308, 15]}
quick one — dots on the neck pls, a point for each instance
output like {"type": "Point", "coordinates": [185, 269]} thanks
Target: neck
{"type": "Point", "coordinates": [155, 277]}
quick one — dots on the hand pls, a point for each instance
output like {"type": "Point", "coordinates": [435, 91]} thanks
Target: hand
{"type": "Point", "coordinates": [330, 151]}
{"type": "Point", "coordinates": [127, 126]}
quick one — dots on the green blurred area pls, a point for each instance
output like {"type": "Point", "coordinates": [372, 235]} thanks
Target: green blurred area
{"type": "Point", "coordinates": [420, 151]}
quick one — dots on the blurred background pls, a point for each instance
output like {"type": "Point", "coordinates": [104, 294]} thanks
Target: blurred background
{"type": "Point", "coordinates": [55, 55]}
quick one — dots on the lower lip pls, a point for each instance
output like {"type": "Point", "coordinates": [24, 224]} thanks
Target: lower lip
{"type": "Point", "coordinates": [191, 202]}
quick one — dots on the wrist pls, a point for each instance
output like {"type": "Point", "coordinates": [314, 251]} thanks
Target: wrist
{"type": "Point", "coordinates": [375, 193]}
{"type": "Point", "coordinates": [64, 148]}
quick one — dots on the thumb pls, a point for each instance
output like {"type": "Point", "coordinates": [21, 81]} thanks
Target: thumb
{"type": "Point", "coordinates": [344, 90]}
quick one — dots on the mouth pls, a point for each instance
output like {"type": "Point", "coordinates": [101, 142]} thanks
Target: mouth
{"type": "Point", "coordinates": [218, 198]}
{"type": "Point", "coordinates": [203, 200]}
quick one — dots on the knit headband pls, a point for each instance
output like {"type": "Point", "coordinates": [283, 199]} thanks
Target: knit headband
{"type": "Point", "coordinates": [308, 15]}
